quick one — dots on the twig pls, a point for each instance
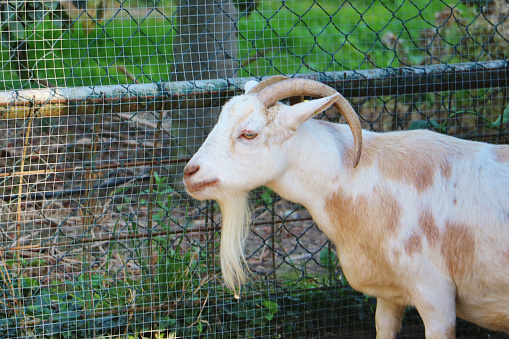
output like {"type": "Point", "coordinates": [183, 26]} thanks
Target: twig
{"type": "Point", "coordinates": [152, 187]}
{"type": "Point", "coordinates": [99, 244]}
{"type": "Point", "coordinates": [137, 144]}
{"type": "Point", "coordinates": [52, 194]}
{"type": "Point", "coordinates": [131, 118]}
{"type": "Point", "coordinates": [195, 230]}
{"type": "Point", "coordinates": [22, 168]}
{"type": "Point", "coordinates": [90, 202]}
{"type": "Point", "coordinates": [45, 82]}
{"type": "Point", "coordinates": [99, 167]}
{"type": "Point", "coordinates": [26, 143]}
{"type": "Point", "coordinates": [9, 283]}
{"type": "Point", "coordinates": [87, 141]}
{"type": "Point", "coordinates": [128, 74]}
{"type": "Point", "coordinates": [258, 55]}
{"type": "Point", "coordinates": [201, 311]}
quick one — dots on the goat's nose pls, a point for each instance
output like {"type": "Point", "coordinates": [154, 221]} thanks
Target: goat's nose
{"type": "Point", "coordinates": [189, 170]}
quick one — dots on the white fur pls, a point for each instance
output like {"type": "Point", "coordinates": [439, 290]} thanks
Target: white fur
{"type": "Point", "coordinates": [303, 160]}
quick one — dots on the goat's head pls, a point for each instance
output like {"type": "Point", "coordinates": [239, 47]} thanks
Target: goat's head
{"type": "Point", "coordinates": [245, 150]}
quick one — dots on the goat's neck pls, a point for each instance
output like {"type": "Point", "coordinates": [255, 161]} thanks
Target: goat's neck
{"type": "Point", "coordinates": [320, 169]}
{"type": "Point", "coordinates": [315, 164]}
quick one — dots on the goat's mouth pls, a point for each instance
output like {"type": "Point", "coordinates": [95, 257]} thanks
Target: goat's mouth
{"type": "Point", "coordinates": [199, 186]}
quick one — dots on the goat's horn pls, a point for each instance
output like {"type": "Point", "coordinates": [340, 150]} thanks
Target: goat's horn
{"type": "Point", "coordinates": [270, 81]}
{"type": "Point", "coordinates": [304, 87]}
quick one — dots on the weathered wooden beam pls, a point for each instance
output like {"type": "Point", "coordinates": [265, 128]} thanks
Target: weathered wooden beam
{"type": "Point", "coordinates": [208, 93]}
{"type": "Point", "coordinates": [419, 79]}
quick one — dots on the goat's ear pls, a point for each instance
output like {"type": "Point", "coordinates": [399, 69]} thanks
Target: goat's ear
{"type": "Point", "coordinates": [293, 116]}
{"type": "Point", "coordinates": [249, 85]}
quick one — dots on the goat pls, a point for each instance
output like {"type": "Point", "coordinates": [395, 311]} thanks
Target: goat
{"type": "Point", "coordinates": [419, 219]}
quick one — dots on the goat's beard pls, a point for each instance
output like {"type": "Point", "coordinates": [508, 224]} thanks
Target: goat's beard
{"type": "Point", "coordinates": [236, 218]}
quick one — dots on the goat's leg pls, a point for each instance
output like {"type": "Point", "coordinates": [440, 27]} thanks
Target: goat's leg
{"type": "Point", "coordinates": [437, 308]}
{"type": "Point", "coordinates": [388, 318]}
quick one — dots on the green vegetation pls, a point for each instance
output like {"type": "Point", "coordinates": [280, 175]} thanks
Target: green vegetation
{"type": "Point", "coordinates": [178, 303]}
{"type": "Point", "coordinates": [84, 51]}
{"type": "Point", "coordinates": [304, 36]}
{"type": "Point", "coordinates": [294, 37]}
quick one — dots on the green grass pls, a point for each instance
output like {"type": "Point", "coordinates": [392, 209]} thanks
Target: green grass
{"type": "Point", "coordinates": [115, 53]}
{"type": "Point", "coordinates": [304, 37]}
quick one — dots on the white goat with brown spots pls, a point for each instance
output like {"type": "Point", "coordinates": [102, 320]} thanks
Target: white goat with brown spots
{"type": "Point", "coordinates": [420, 219]}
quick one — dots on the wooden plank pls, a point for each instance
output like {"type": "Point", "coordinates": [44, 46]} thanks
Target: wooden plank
{"type": "Point", "coordinates": [209, 93]}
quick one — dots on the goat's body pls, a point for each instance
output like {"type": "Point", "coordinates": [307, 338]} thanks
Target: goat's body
{"type": "Point", "coordinates": [423, 220]}
{"type": "Point", "coordinates": [418, 218]}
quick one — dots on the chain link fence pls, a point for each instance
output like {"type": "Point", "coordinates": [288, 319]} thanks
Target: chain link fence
{"type": "Point", "coordinates": [103, 102]}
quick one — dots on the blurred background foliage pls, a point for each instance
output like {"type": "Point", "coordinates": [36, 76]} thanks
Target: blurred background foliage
{"type": "Point", "coordinates": [104, 42]}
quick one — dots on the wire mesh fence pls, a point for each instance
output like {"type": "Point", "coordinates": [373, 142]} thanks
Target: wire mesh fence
{"type": "Point", "coordinates": [103, 103]}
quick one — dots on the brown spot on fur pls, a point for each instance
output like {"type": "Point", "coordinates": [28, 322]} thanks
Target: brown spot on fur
{"type": "Point", "coordinates": [413, 157]}
{"type": "Point", "coordinates": [501, 152]}
{"type": "Point", "coordinates": [429, 227]}
{"type": "Point", "coordinates": [361, 226]}
{"type": "Point", "coordinates": [365, 214]}
{"type": "Point", "coordinates": [445, 169]}
{"type": "Point", "coordinates": [392, 211]}
{"type": "Point", "coordinates": [413, 244]}
{"type": "Point", "coordinates": [396, 255]}
{"type": "Point", "coordinates": [458, 249]}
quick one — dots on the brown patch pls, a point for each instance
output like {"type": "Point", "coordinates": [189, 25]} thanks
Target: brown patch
{"type": "Point", "coordinates": [458, 249]}
{"type": "Point", "coordinates": [392, 211]}
{"type": "Point", "coordinates": [413, 244]}
{"type": "Point", "coordinates": [363, 215]}
{"type": "Point", "coordinates": [413, 157]}
{"type": "Point", "coordinates": [445, 169]}
{"type": "Point", "coordinates": [429, 227]}
{"type": "Point", "coordinates": [361, 226]}
{"type": "Point", "coordinates": [501, 152]}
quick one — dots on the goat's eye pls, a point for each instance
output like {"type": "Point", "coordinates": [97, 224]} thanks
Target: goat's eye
{"type": "Point", "coordinates": [248, 135]}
